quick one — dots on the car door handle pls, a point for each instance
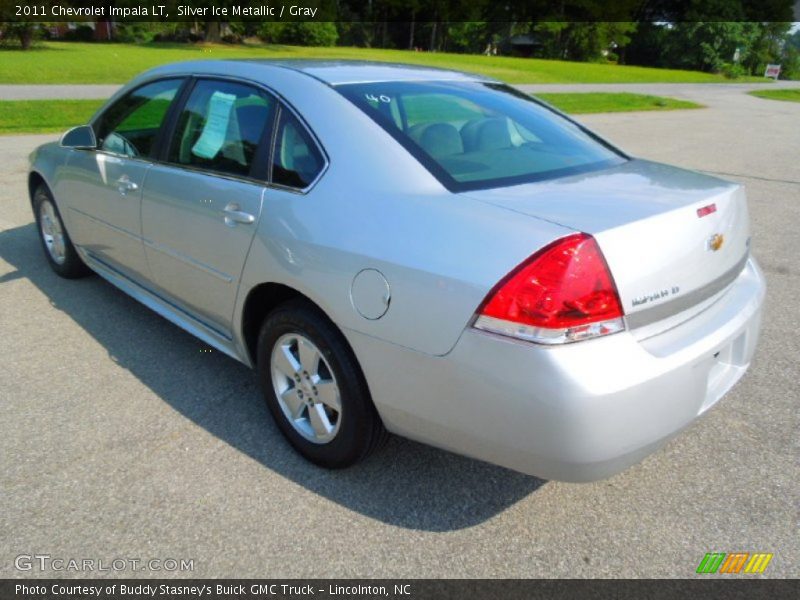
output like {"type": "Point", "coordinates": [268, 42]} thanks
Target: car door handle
{"type": "Point", "coordinates": [234, 215]}
{"type": "Point", "coordinates": [125, 185]}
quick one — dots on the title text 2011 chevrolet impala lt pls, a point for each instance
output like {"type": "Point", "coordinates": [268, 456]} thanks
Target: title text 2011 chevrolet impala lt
{"type": "Point", "coordinates": [412, 250]}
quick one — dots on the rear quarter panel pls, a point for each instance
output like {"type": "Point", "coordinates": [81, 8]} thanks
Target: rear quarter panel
{"type": "Point", "coordinates": [377, 207]}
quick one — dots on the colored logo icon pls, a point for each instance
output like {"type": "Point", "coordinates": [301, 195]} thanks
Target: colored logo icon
{"type": "Point", "coordinates": [736, 562]}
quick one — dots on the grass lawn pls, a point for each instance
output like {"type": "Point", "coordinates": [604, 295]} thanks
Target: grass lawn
{"type": "Point", "coordinates": [597, 102]}
{"type": "Point", "coordinates": [44, 116]}
{"type": "Point", "coordinates": [792, 95]}
{"type": "Point", "coordinates": [49, 116]}
{"type": "Point", "coordinates": [66, 62]}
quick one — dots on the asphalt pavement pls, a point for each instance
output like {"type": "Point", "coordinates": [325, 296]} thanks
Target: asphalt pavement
{"type": "Point", "coordinates": [120, 438]}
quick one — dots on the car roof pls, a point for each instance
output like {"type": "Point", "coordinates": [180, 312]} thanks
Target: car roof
{"type": "Point", "coordinates": [331, 72]}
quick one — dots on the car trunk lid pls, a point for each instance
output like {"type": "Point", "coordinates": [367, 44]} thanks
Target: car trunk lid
{"type": "Point", "coordinates": [673, 239]}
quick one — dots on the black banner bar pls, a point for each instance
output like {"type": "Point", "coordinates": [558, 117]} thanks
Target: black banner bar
{"type": "Point", "coordinates": [715, 587]}
{"type": "Point", "coordinates": [442, 11]}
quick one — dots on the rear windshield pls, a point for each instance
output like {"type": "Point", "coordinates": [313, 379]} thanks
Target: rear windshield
{"type": "Point", "coordinates": [477, 135]}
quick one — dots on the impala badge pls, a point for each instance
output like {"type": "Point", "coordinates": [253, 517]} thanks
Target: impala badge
{"type": "Point", "coordinates": [715, 242]}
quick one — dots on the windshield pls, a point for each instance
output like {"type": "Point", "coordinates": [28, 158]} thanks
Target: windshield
{"type": "Point", "coordinates": [477, 135]}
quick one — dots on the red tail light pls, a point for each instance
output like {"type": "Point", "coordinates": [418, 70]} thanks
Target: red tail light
{"type": "Point", "coordinates": [563, 293]}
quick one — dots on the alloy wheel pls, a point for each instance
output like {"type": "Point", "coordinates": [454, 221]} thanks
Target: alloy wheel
{"type": "Point", "coordinates": [306, 388]}
{"type": "Point", "coordinates": [52, 232]}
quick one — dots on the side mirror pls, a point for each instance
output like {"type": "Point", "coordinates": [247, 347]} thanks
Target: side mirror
{"type": "Point", "coordinates": [81, 138]}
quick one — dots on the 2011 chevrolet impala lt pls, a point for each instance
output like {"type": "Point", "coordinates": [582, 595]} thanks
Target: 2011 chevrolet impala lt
{"type": "Point", "coordinates": [412, 250]}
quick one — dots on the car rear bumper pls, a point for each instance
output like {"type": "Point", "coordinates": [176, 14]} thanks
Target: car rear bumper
{"type": "Point", "coordinates": [577, 412]}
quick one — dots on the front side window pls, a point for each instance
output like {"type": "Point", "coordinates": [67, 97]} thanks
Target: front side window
{"type": "Point", "coordinates": [129, 127]}
{"type": "Point", "coordinates": [221, 126]}
{"type": "Point", "coordinates": [296, 160]}
{"type": "Point", "coordinates": [474, 135]}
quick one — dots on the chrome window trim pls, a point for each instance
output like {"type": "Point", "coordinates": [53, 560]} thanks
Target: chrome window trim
{"type": "Point", "coordinates": [207, 173]}
{"type": "Point", "coordinates": [146, 161]}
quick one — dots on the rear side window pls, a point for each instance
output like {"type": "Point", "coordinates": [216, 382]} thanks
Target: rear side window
{"type": "Point", "coordinates": [130, 126]}
{"type": "Point", "coordinates": [296, 160]}
{"type": "Point", "coordinates": [221, 126]}
{"type": "Point", "coordinates": [475, 135]}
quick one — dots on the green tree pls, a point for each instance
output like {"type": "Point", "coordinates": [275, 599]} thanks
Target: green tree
{"type": "Point", "coordinates": [302, 33]}
{"type": "Point", "coordinates": [707, 46]}
{"type": "Point", "coordinates": [23, 31]}
{"type": "Point", "coordinates": [310, 33]}
{"type": "Point", "coordinates": [12, 28]}
{"type": "Point", "coordinates": [766, 46]}
{"type": "Point", "coordinates": [647, 45]}
{"type": "Point", "coordinates": [583, 41]}
{"type": "Point", "coordinates": [793, 39]}
{"type": "Point", "coordinates": [790, 56]}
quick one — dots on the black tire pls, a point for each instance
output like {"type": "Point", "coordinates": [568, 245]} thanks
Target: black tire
{"type": "Point", "coordinates": [360, 430]}
{"type": "Point", "coordinates": [70, 266]}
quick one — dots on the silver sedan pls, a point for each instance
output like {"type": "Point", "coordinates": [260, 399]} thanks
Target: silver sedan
{"type": "Point", "coordinates": [410, 250]}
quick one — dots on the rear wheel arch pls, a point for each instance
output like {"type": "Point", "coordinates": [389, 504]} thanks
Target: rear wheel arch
{"type": "Point", "coordinates": [261, 301]}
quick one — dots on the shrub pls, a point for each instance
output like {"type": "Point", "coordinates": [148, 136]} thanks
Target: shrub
{"type": "Point", "coordinates": [82, 33]}
{"type": "Point", "coordinates": [133, 33]}
{"type": "Point", "coordinates": [301, 33]}
{"type": "Point", "coordinates": [733, 70]}
{"type": "Point", "coordinates": [231, 38]}
{"type": "Point", "coordinates": [271, 32]}
{"type": "Point", "coordinates": [178, 34]}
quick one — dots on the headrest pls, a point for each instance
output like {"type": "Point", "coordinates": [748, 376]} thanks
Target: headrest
{"type": "Point", "coordinates": [438, 139]}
